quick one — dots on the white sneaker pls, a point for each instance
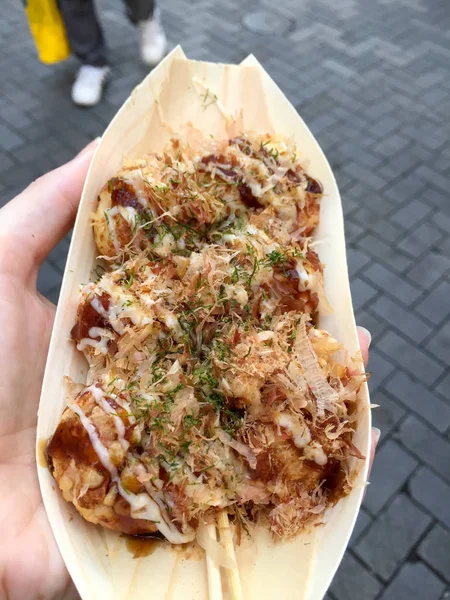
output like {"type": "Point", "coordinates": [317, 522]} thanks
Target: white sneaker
{"type": "Point", "coordinates": [88, 86]}
{"type": "Point", "coordinates": [152, 40]}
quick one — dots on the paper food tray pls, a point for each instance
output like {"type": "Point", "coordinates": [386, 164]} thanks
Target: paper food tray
{"type": "Point", "coordinates": [98, 560]}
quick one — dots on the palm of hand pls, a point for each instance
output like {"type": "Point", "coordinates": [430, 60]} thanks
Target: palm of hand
{"type": "Point", "coordinates": [31, 563]}
{"type": "Point", "coordinates": [30, 226]}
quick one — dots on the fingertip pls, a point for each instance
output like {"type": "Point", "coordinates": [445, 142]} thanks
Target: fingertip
{"type": "Point", "coordinates": [365, 340]}
{"type": "Point", "coordinates": [376, 433]}
{"type": "Point", "coordinates": [366, 333]}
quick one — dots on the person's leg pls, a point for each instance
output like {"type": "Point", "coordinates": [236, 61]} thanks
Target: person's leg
{"type": "Point", "coordinates": [84, 31]}
{"type": "Point", "coordinates": [140, 10]}
{"type": "Point", "coordinates": [152, 39]}
{"type": "Point", "coordinates": [87, 43]}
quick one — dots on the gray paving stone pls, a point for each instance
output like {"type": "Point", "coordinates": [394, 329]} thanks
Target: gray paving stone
{"type": "Point", "coordinates": [437, 198]}
{"type": "Point", "coordinates": [17, 118]}
{"type": "Point", "coordinates": [435, 550]}
{"type": "Point", "coordinates": [444, 247]}
{"type": "Point", "coordinates": [385, 126]}
{"type": "Point", "coordinates": [426, 444]}
{"type": "Point", "coordinates": [411, 359]}
{"type": "Point", "coordinates": [380, 368]}
{"type": "Point", "coordinates": [430, 269]}
{"type": "Point", "coordinates": [47, 278]}
{"type": "Point", "coordinates": [369, 203]}
{"type": "Point", "coordinates": [6, 162]}
{"type": "Point", "coordinates": [401, 319]}
{"type": "Point", "coordinates": [362, 292]}
{"type": "Point", "coordinates": [420, 239]}
{"type": "Point", "coordinates": [388, 414]}
{"type": "Point", "coordinates": [417, 398]}
{"type": "Point", "coordinates": [391, 468]}
{"type": "Point", "coordinates": [365, 175]}
{"type": "Point", "coordinates": [53, 294]}
{"type": "Point", "coordinates": [381, 250]}
{"type": "Point", "coordinates": [432, 493]}
{"type": "Point", "coordinates": [9, 139]}
{"type": "Point", "coordinates": [389, 540]}
{"type": "Point", "coordinates": [27, 153]}
{"type": "Point", "coordinates": [362, 156]}
{"type": "Point", "coordinates": [377, 110]}
{"type": "Point", "coordinates": [353, 578]}
{"type": "Point", "coordinates": [387, 231]}
{"type": "Point", "coordinates": [357, 260]}
{"type": "Point", "coordinates": [414, 582]}
{"type": "Point", "coordinates": [58, 255]}
{"type": "Point", "coordinates": [439, 344]}
{"type": "Point", "coordinates": [409, 215]}
{"type": "Point", "coordinates": [433, 177]}
{"type": "Point", "coordinates": [443, 387]}
{"type": "Point", "coordinates": [390, 145]}
{"type": "Point", "coordinates": [352, 231]}
{"type": "Point", "coordinates": [406, 190]}
{"type": "Point", "coordinates": [441, 220]}
{"type": "Point", "coordinates": [391, 283]}
{"type": "Point", "coordinates": [362, 522]}
{"type": "Point", "coordinates": [20, 177]}
{"type": "Point", "coordinates": [435, 306]}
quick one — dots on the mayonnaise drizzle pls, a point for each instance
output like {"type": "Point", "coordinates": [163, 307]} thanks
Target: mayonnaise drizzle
{"type": "Point", "coordinates": [302, 438]}
{"type": "Point", "coordinates": [300, 432]}
{"type": "Point", "coordinates": [101, 344]}
{"type": "Point", "coordinates": [120, 307]}
{"type": "Point", "coordinates": [120, 425]}
{"type": "Point", "coordinates": [306, 280]}
{"type": "Point", "coordinates": [142, 506]}
{"type": "Point", "coordinates": [113, 212]}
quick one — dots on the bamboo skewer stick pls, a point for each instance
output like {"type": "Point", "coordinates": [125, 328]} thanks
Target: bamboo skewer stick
{"type": "Point", "coordinates": [226, 540]}
{"type": "Point", "coordinates": [212, 569]}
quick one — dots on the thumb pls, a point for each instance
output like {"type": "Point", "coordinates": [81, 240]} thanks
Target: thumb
{"type": "Point", "coordinates": [38, 218]}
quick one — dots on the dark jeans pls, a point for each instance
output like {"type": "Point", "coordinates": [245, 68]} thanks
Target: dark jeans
{"type": "Point", "coordinates": [84, 31]}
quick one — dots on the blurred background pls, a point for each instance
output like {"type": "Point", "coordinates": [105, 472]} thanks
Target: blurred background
{"type": "Point", "coordinates": [371, 79]}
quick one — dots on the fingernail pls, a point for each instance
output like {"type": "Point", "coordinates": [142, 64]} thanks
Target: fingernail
{"type": "Point", "coordinates": [366, 334]}
{"type": "Point", "coordinates": [377, 433]}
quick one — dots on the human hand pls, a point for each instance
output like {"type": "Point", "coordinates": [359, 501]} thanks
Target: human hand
{"type": "Point", "coordinates": [30, 226]}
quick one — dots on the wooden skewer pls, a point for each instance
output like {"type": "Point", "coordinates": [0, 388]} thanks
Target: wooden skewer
{"type": "Point", "coordinates": [226, 540]}
{"type": "Point", "coordinates": [212, 569]}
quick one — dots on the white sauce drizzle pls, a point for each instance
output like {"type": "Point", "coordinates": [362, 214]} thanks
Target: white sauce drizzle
{"type": "Point", "coordinates": [110, 214]}
{"type": "Point", "coordinates": [300, 433]}
{"type": "Point", "coordinates": [142, 506]}
{"type": "Point", "coordinates": [120, 425]}
{"type": "Point", "coordinates": [302, 438]}
{"type": "Point", "coordinates": [119, 308]}
{"type": "Point", "coordinates": [101, 344]}
{"type": "Point", "coordinates": [316, 453]}
{"type": "Point", "coordinates": [306, 280]}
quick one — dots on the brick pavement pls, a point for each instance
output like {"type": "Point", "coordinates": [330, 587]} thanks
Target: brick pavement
{"type": "Point", "coordinates": [370, 77]}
